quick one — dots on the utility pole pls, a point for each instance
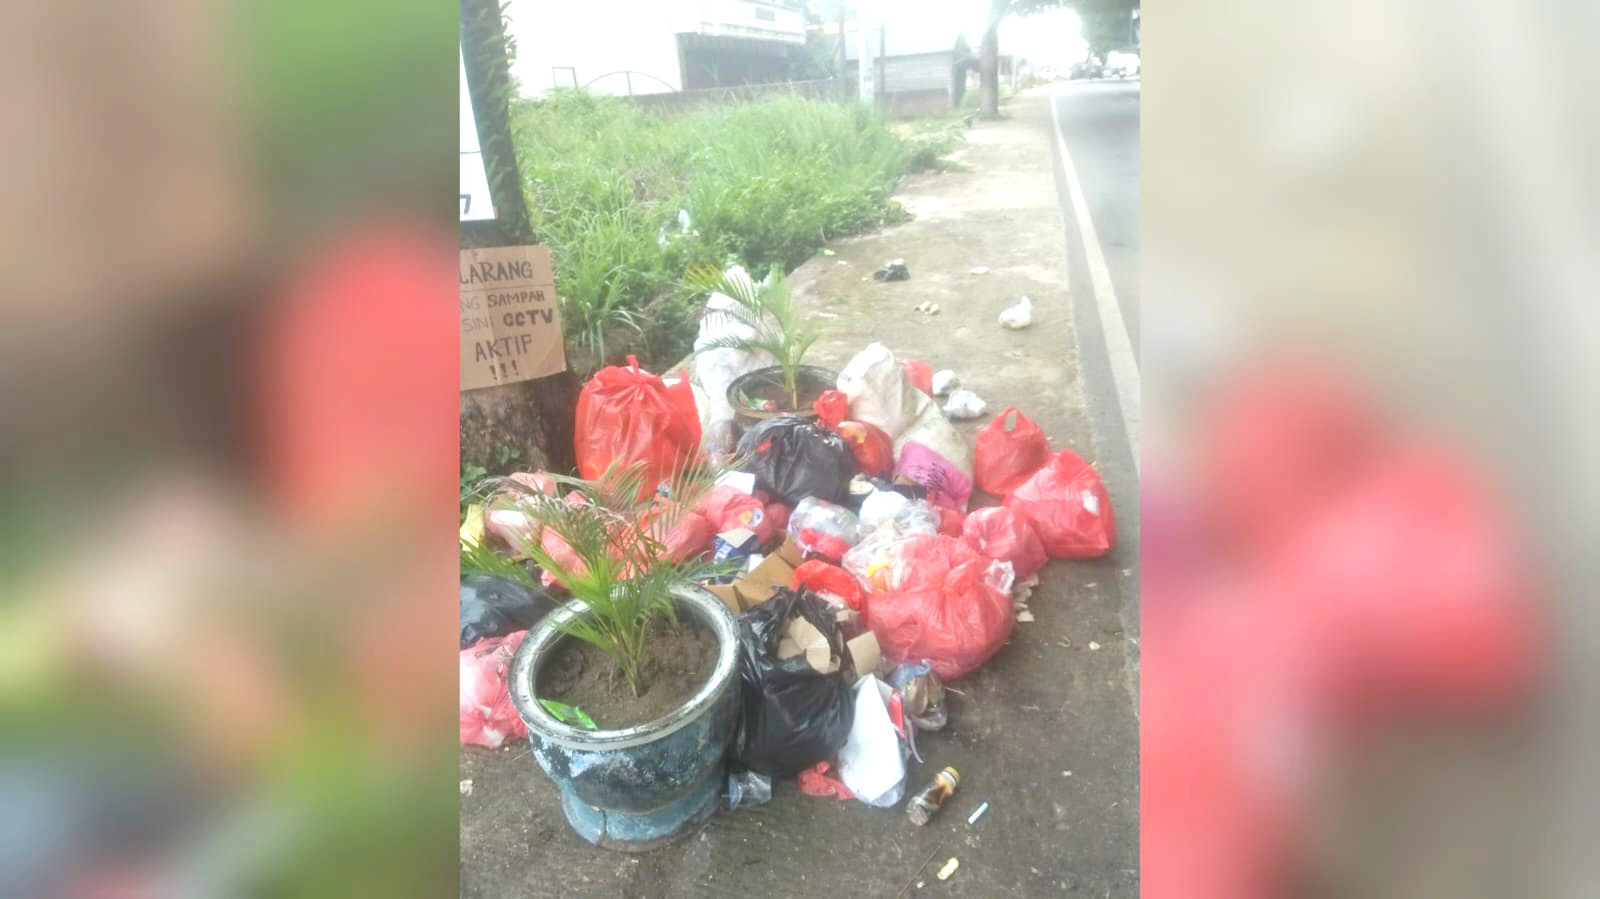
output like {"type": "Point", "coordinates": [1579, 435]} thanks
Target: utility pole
{"type": "Point", "coordinates": [868, 69]}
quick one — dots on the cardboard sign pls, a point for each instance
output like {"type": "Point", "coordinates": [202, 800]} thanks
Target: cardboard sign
{"type": "Point", "coordinates": [510, 320]}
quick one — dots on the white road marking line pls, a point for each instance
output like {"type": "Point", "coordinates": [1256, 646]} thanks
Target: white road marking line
{"type": "Point", "coordinates": [1119, 349]}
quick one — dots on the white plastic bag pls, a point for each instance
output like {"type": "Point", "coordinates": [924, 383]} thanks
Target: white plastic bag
{"type": "Point", "coordinates": [964, 404]}
{"type": "Point", "coordinates": [870, 762]}
{"type": "Point", "coordinates": [880, 393]}
{"type": "Point", "coordinates": [716, 368]}
{"type": "Point", "coordinates": [935, 455]}
{"type": "Point", "coordinates": [888, 508]}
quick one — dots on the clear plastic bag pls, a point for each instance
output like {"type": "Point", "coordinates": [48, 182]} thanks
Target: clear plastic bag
{"type": "Point", "coordinates": [890, 508]}
{"type": "Point", "coordinates": [748, 788]}
{"type": "Point", "coordinates": [824, 529]}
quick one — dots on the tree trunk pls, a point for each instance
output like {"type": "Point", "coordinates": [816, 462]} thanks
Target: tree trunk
{"type": "Point", "coordinates": [535, 418]}
{"type": "Point", "coordinates": [989, 71]}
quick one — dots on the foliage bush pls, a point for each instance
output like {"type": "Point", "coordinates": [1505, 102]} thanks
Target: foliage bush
{"type": "Point", "coordinates": [765, 183]}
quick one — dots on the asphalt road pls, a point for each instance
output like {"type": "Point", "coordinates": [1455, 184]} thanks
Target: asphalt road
{"type": "Point", "coordinates": [1094, 131]}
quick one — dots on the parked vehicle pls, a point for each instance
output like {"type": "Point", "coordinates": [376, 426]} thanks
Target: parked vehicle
{"type": "Point", "coordinates": [1121, 64]}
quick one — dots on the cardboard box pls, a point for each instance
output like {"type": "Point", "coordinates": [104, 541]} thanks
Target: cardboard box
{"type": "Point", "coordinates": [801, 638]}
{"type": "Point", "coordinates": [865, 654]}
{"type": "Point", "coordinates": [756, 586]}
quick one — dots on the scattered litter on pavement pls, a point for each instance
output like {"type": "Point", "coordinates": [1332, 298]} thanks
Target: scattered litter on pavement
{"type": "Point", "coordinates": [747, 788]}
{"type": "Point", "coordinates": [1019, 316]}
{"type": "Point", "coordinates": [977, 813]}
{"type": "Point", "coordinates": [827, 315]}
{"type": "Point", "coordinates": [1025, 616]}
{"type": "Point", "coordinates": [927, 308]}
{"type": "Point", "coordinates": [1093, 646]}
{"type": "Point", "coordinates": [964, 404]}
{"type": "Point", "coordinates": [980, 270]}
{"type": "Point", "coordinates": [944, 381]}
{"type": "Point", "coordinates": [930, 798]}
{"type": "Point", "coordinates": [824, 251]}
{"type": "Point", "coordinates": [893, 270]}
{"type": "Point", "coordinates": [949, 868]}
{"type": "Point", "coordinates": [466, 787]}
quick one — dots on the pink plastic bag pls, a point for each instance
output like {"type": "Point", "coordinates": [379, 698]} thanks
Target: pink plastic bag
{"type": "Point", "coordinates": [947, 485]}
{"type": "Point", "coordinates": [920, 374]}
{"type": "Point", "coordinates": [946, 603]}
{"type": "Point", "coordinates": [1005, 456]}
{"type": "Point", "coordinates": [629, 416]}
{"type": "Point", "coordinates": [488, 716]}
{"type": "Point", "coordinates": [1067, 504]}
{"type": "Point", "coordinates": [1001, 533]}
{"type": "Point", "coordinates": [728, 508]}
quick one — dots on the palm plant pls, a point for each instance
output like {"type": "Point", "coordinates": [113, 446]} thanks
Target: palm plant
{"type": "Point", "coordinates": [609, 553]}
{"type": "Point", "coordinates": [770, 315]}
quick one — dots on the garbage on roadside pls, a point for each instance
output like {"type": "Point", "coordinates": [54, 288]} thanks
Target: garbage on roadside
{"type": "Point", "coordinates": [747, 788]}
{"type": "Point", "coordinates": [818, 780]}
{"type": "Point", "coordinates": [1008, 451]}
{"type": "Point", "coordinates": [893, 270]}
{"type": "Point", "coordinates": [1001, 533]}
{"type": "Point", "coordinates": [1019, 316]}
{"type": "Point", "coordinates": [928, 800]}
{"type": "Point", "coordinates": [935, 598]}
{"type": "Point", "coordinates": [629, 416]}
{"type": "Point", "coordinates": [494, 606]}
{"type": "Point", "coordinates": [964, 404]}
{"type": "Point", "coordinates": [920, 373]}
{"type": "Point", "coordinates": [873, 449]}
{"type": "Point", "coordinates": [794, 715]}
{"type": "Point", "coordinates": [935, 455]}
{"type": "Point", "coordinates": [922, 694]}
{"type": "Point", "coordinates": [824, 529]}
{"type": "Point", "coordinates": [949, 868]}
{"type": "Point", "coordinates": [795, 459]}
{"type": "Point", "coordinates": [488, 718]}
{"type": "Point", "coordinates": [871, 762]}
{"type": "Point", "coordinates": [859, 579]}
{"type": "Point", "coordinates": [1067, 504]}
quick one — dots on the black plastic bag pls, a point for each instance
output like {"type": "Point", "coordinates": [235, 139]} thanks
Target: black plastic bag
{"type": "Point", "coordinates": [795, 458]}
{"type": "Point", "coordinates": [793, 716]}
{"type": "Point", "coordinates": [494, 606]}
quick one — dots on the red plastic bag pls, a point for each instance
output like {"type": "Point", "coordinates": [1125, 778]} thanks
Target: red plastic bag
{"type": "Point", "coordinates": [688, 537]}
{"type": "Point", "coordinates": [945, 605]}
{"type": "Point", "coordinates": [1066, 502]}
{"type": "Point", "coordinates": [816, 781]}
{"type": "Point", "coordinates": [627, 415]}
{"type": "Point", "coordinates": [920, 374]}
{"type": "Point", "coordinates": [820, 577]}
{"type": "Point", "coordinates": [870, 444]}
{"type": "Point", "coordinates": [778, 515]}
{"type": "Point", "coordinates": [488, 717]}
{"type": "Point", "coordinates": [1007, 456]}
{"type": "Point", "coordinates": [728, 508]}
{"type": "Point", "coordinates": [951, 521]}
{"type": "Point", "coordinates": [1001, 533]}
{"type": "Point", "coordinates": [832, 407]}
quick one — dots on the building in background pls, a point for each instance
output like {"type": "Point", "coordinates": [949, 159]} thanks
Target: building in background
{"type": "Point", "coordinates": [625, 47]}
{"type": "Point", "coordinates": [922, 68]}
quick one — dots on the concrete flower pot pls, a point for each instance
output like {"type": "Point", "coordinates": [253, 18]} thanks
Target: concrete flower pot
{"type": "Point", "coordinates": [639, 787]}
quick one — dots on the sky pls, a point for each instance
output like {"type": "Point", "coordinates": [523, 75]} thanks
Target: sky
{"type": "Point", "coordinates": [1045, 38]}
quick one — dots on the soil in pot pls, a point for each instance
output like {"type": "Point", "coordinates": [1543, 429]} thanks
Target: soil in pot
{"type": "Point", "coordinates": [768, 395]}
{"type": "Point", "coordinates": [678, 660]}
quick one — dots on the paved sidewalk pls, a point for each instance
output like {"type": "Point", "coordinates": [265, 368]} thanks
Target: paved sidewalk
{"type": "Point", "coordinates": [1046, 733]}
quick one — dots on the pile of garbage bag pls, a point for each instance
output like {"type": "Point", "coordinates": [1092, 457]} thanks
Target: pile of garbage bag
{"type": "Point", "coordinates": [866, 577]}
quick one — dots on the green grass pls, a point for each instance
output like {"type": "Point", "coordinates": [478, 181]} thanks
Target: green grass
{"type": "Point", "coordinates": [765, 183]}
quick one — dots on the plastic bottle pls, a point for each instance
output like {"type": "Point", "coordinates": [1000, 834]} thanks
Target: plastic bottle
{"type": "Point", "coordinates": [931, 798]}
{"type": "Point", "coordinates": [747, 788]}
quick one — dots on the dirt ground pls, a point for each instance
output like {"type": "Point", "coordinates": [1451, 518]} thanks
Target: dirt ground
{"type": "Point", "coordinates": [1046, 733]}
